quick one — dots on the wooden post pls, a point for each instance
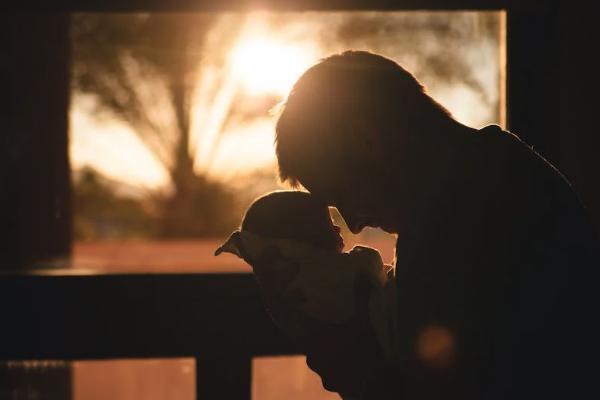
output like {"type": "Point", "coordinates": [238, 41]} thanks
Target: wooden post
{"type": "Point", "coordinates": [35, 220]}
{"type": "Point", "coordinates": [578, 88]}
{"type": "Point", "coordinates": [227, 377]}
{"type": "Point", "coordinates": [532, 77]}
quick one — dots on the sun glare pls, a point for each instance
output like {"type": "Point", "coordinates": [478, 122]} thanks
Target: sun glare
{"type": "Point", "coordinates": [264, 65]}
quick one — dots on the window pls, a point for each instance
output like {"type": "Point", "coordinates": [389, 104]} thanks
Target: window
{"type": "Point", "coordinates": [171, 135]}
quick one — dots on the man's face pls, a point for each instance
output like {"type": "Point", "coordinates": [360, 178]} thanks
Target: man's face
{"type": "Point", "coordinates": [359, 199]}
{"type": "Point", "coordinates": [356, 176]}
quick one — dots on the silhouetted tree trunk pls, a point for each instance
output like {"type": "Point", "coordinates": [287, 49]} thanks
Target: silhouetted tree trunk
{"type": "Point", "coordinates": [178, 207]}
{"type": "Point", "coordinates": [143, 69]}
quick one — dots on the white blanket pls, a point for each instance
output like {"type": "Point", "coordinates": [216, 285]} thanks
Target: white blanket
{"type": "Point", "coordinates": [327, 281]}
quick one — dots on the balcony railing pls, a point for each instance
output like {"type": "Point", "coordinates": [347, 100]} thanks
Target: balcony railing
{"type": "Point", "coordinates": [218, 319]}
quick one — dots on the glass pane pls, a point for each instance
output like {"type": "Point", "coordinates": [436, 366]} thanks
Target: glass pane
{"type": "Point", "coordinates": [171, 134]}
{"type": "Point", "coordinates": [152, 379]}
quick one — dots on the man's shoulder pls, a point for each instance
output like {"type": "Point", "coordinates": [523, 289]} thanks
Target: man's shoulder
{"type": "Point", "coordinates": [513, 200]}
{"type": "Point", "coordinates": [540, 205]}
{"type": "Point", "coordinates": [524, 173]}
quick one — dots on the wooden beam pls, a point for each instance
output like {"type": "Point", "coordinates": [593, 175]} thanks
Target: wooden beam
{"type": "Point", "coordinates": [282, 5]}
{"type": "Point", "coordinates": [60, 316]}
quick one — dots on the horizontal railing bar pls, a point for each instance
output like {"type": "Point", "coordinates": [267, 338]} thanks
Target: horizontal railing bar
{"type": "Point", "coordinates": [130, 316]}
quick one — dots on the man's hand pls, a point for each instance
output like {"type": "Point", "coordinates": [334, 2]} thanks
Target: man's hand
{"type": "Point", "coordinates": [348, 357]}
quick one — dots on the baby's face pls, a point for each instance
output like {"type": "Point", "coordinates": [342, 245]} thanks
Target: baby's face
{"type": "Point", "coordinates": [326, 234]}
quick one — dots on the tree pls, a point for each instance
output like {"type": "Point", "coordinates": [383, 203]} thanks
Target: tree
{"type": "Point", "coordinates": [100, 212]}
{"type": "Point", "coordinates": [145, 69]}
{"type": "Point", "coordinates": [442, 44]}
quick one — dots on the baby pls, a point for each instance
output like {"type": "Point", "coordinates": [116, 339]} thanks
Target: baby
{"type": "Point", "coordinates": [299, 228]}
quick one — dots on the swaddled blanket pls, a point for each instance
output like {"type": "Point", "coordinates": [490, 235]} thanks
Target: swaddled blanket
{"type": "Point", "coordinates": [327, 281]}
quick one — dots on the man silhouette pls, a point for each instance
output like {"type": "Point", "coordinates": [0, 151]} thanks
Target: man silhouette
{"type": "Point", "coordinates": [494, 249]}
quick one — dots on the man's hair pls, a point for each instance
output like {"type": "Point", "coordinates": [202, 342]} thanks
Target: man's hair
{"type": "Point", "coordinates": [331, 97]}
{"type": "Point", "coordinates": [287, 215]}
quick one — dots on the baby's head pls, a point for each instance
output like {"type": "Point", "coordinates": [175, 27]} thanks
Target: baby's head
{"type": "Point", "coordinates": [293, 215]}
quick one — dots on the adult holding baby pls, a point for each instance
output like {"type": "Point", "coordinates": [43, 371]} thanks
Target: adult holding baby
{"type": "Point", "coordinates": [494, 248]}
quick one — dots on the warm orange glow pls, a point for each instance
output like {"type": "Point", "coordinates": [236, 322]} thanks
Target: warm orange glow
{"type": "Point", "coordinates": [263, 65]}
{"type": "Point", "coordinates": [264, 53]}
{"type": "Point", "coordinates": [435, 346]}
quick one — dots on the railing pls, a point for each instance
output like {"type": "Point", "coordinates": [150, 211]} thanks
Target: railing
{"type": "Point", "coordinates": [218, 319]}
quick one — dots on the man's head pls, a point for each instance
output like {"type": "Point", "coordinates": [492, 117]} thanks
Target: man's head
{"type": "Point", "coordinates": [293, 215]}
{"type": "Point", "coordinates": [352, 124]}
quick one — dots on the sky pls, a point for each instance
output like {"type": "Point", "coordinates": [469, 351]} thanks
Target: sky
{"type": "Point", "coordinates": [271, 53]}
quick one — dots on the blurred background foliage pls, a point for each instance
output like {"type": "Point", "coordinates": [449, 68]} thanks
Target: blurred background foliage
{"type": "Point", "coordinates": [102, 213]}
{"type": "Point", "coordinates": [108, 209]}
{"type": "Point", "coordinates": [170, 78]}
{"type": "Point", "coordinates": [142, 69]}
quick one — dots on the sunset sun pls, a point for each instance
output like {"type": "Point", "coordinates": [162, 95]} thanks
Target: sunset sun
{"type": "Point", "coordinates": [264, 65]}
